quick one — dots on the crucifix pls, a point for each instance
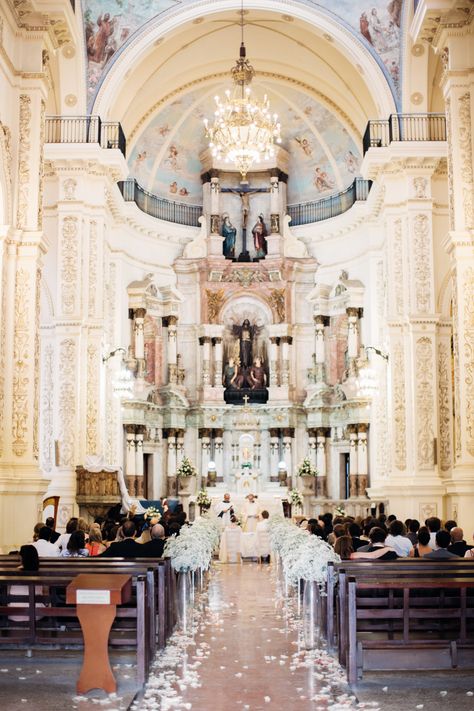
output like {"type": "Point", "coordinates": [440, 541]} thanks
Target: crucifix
{"type": "Point", "coordinates": [246, 399]}
{"type": "Point", "coordinates": [244, 194]}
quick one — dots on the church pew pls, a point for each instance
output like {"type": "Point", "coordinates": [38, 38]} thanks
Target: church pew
{"type": "Point", "coordinates": [393, 567]}
{"type": "Point", "coordinates": [415, 648]}
{"type": "Point", "coordinates": [58, 631]}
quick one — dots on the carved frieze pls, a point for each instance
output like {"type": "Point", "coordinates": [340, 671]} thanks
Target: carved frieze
{"type": "Point", "coordinates": [47, 403]}
{"type": "Point", "coordinates": [424, 402]}
{"type": "Point", "coordinates": [468, 348]}
{"type": "Point", "coordinates": [457, 378]}
{"type": "Point", "coordinates": [92, 268]}
{"type": "Point", "coordinates": [400, 453]}
{"type": "Point", "coordinates": [444, 399]}
{"type": "Point", "coordinates": [69, 266]}
{"type": "Point", "coordinates": [21, 359]}
{"type": "Point", "coordinates": [36, 383]}
{"type": "Point", "coordinates": [422, 263]}
{"type": "Point", "coordinates": [67, 401]}
{"type": "Point", "coordinates": [246, 276]}
{"type": "Point", "coordinates": [24, 160]}
{"type": "Point", "coordinates": [465, 147]}
{"type": "Point", "coordinates": [93, 395]}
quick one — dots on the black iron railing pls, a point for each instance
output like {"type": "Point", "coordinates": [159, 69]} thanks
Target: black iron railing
{"type": "Point", "coordinates": [85, 129]}
{"type": "Point", "coordinates": [404, 127]}
{"type": "Point", "coordinates": [330, 206]}
{"type": "Point", "coordinates": [163, 209]}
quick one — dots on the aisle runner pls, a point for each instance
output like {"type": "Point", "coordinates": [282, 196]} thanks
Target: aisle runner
{"type": "Point", "coordinates": [216, 668]}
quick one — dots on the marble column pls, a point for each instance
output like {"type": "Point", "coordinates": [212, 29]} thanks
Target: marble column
{"type": "Point", "coordinates": [219, 453]}
{"type": "Point", "coordinates": [352, 338]}
{"type": "Point", "coordinates": [274, 343]}
{"type": "Point", "coordinates": [172, 348]}
{"type": "Point", "coordinates": [139, 466]}
{"type": "Point", "coordinates": [139, 340]}
{"type": "Point", "coordinates": [312, 447]}
{"type": "Point", "coordinates": [362, 459]}
{"type": "Point", "coordinates": [274, 452]}
{"type": "Point", "coordinates": [321, 462]}
{"type": "Point", "coordinates": [353, 461]}
{"type": "Point", "coordinates": [274, 205]}
{"type": "Point", "coordinates": [205, 439]}
{"type": "Point", "coordinates": [320, 348]}
{"type": "Point", "coordinates": [288, 451]}
{"type": "Point", "coordinates": [205, 343]}
{"type": "Point", "coordinates": [217, 343]}
{"type": "Point", "coordinates": [215, 211]}
{"type": "Point", "coordinates": [171, 454]}
{"type": "Point", "coordinates": [179, 447]}
{"type": "Point", "coordinates": [130, 458]}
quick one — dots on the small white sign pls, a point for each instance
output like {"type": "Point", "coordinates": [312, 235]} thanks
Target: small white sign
{"type": "Point", "coordinates": [93, 597]}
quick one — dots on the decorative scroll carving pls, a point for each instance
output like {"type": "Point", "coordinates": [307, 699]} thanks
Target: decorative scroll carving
{"type": "Point", "coordinates": [111, 446]}
{"type": "Point", "coordinates": [468, 291]}
{"type": "Point", "coordinates": [400, 454]}
{"type": "Point", "coordinates": [449, 137]}
{"type": "Point", "coordinates": [21, 353]}
{"type": "Point", "coordinates": [92, 267]}
{"type": "Point", "coordinates": [47, 402]}
{"type": "Point", "coordinates": [422, 261]}
{"type": "Point", "coordinates": [36, 383]}
{"type": "Point", "coordinates": [67, 401]}
{"type": "Point", "coordinates": [215, 299]}
{"type": "Point", "coordinates": [24, 160]}
{"type": "Point", "coordinates": [69, 254]}
{"type": "Point", "coordinates": [246, 276]}
{"type": "Point", "coordinates": [444, 407]}
{"type": "Point", "coordinates": [457, 378]}
{"type": "Point", "coordinates": [41, 164]}
{"type": "Point", "coordinates": [277, 300]}
{"type": "Point", "coordinates": [465, 147]}
{"type": "Point", "coordinates": [424, 403]}
{"type": "Point", "coordinates": [397, 253]}
{"type": "Point", "coordinates": [2, 365]}
{"type": "Point", "coordinates": [92, 413]}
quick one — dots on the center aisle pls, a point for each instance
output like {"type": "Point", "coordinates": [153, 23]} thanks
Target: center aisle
{"type": "Point", "coordinates": [245, 654]}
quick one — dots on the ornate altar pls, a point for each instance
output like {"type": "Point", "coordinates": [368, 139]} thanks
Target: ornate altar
{"type": "Point", "coordinates": [97, 492]}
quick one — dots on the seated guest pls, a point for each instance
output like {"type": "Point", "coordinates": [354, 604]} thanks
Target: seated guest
{"type": "Point", "coordinates": [422, 547]}
{"type": "Point", "coordinates": [344, 547]}
{"type": "Point", "coordinates": [449, 525]}
{"type": "Point", "coordinates": [355, 533]}
{"type": "Point", "coordinates": [263, 524]}
{"type": "Point", "coordinates": [95, 545]}
{"type": "Point", "coordinates": [36, 530]}
{"type": "Point", "coordinates": [126, 548]}
{"type": "Point", "coordinates": [377, 549]}
{"type": "Point", "coordinates": [328, 524]}
{"type": "Point", "coordinates": [443, 539]}
{"type": "Point", "coordinates": [413, 528]}
{"type": "Point", "coordinates": [338, 531]}
{"type": "Point", "coordinates": [433, 525]}
{"type": "Point", "coordinates": [63, 539]}
{"type": "Point", "coordinates": [54, 534]}
{"type": "Point", "coordinates": [458, 544]}
{"type": "Point", "coordinates": [29, 564]}
{"type": "Point", "coordinates": [397, 540]}
{"type": "Point", "coordinates": [43, 546]}
{"type": "Point", "coordinates": [155, 546]}
{"type": "Point", "coordinates": [315, 529]}
{"type": "Point", "coordinates": [76, 546]}
{"type": "Point", "coordinates": [391, 519]}
{"type": "Point", "coordinates": [470, 552]}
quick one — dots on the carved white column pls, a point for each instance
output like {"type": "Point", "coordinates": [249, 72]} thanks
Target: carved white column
{"type": "Point", "coordinates": [217, 362]}
{"type": "Point", "coordinates": [205, 343]}
{"type": "Point", "coordinates": [172, 350]}
{"type": "Point", "coordinates": [321, 462]}
{"type": "Point", "coordinates": [138, 332]}
{"type": "Point", "coordinates": [171, 454]}
{"type": "Point", "coordinates": [312, 448]}
{"type": "Point", "coordinates": [274, 205]}
{"type": "Point", "coordinates": [320, 349]}
{"type": "Point", "coordinates": [215, 207]}
{"type": "Point", "coordinates": [130, 455]}
{"type": "Point", "coordinates": [205, 439]}
{"type": "Point", "coordinates": [362, 459]}
{"type": "Point", "coordinates": [139, 468]}
{"type": "Point", "coordinates": [274, 452]}
{"type": "Point", "coordinates": [287, 451]}
{"type": "Point", "coordinates": [179, 447]}
{"type": "Point", "coordinates": [219, 452]}
{"type": "Point", "coordinates": [285, 342]}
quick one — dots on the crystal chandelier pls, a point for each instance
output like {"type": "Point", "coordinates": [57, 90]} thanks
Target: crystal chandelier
{"type": "Point", "coordinates": [244, 131]}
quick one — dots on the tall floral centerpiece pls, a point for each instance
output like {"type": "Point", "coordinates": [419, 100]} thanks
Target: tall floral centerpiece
{"type": "Point", "coordinates": [203, 500]}
{"type": "Point", "coordinates": [184, 473]}
{"type": "Point", "coordinates": [296, 500]}
{"type": "Point", "coordinates": [308, 475]}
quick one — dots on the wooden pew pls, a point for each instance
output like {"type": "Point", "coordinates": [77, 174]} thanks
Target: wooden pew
{"type": "Point", "coordinates": [443, 600]}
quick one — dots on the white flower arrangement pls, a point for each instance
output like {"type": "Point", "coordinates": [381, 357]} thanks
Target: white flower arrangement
{"type": "Point", "coordinates": [152, 512]}
{"type": "Point", "coordinates": [193, 548]}
{"type": "Point", "coordinates": [186, 468]}
{"type": "Point", "coordinates": [295, 498]}
{"type": "Point", "coordinates": [306, 468]}
{"type": "Point", "coordinates": [203, 499]}
{"type": "Point", "coordinates": [303, 556]}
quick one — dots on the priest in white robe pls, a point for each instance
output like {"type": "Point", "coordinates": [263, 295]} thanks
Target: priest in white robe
{"type": "Point", "coordinates": [224, 510]}
{"type": "Point", "coordinates": [251, 513]}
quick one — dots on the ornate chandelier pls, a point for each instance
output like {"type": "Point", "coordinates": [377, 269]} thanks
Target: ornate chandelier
{"type": "Point", "coordinates": [244, 131]}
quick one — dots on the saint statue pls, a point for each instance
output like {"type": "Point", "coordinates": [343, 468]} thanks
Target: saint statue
{"type": "Point", "coordinates": [228, 232]}
{"type": "Point", "coordinates": [245, 345]}
{"type": "Point", "coordinates": [230, 374]}
{"type": "Point", "coordinates": [257, 375]}
{"type": "Point", "coordinates": [259, 231]}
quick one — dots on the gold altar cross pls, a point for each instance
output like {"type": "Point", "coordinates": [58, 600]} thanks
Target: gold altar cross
{"type": "Point", "coordinates": [246, 399]}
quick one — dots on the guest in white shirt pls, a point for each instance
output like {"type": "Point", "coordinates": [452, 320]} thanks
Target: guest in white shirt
{"type": "Point", "coordinates": [43, 546]}
{"type": "Point", "coordinates": [434, 525]}
{"type": "Point", "coordinates": [398, 540]}
{"type": "Point", "coordinates": [63, 539]}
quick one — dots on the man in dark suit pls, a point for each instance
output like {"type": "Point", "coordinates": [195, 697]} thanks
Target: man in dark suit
{"type": "Point", "coordinates": [154, 548]}
{"type": "Point", "coordinates": [443, 539]}
{"type": "Point", "coordinates": [128, 547]}
{"type": "Point", "coordinates": [458, 544]}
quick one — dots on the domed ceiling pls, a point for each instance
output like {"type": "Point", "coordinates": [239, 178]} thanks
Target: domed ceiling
{"type": "Point", "coordinates": [324, 157]}
{"type": "Point", "coordinates": [109, 25]}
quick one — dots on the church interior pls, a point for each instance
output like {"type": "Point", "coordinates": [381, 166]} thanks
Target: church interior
{"type": "Point", "coordinates": [191, 306]}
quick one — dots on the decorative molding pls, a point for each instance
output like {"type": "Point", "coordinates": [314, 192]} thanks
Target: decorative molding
{"type": "Point", "coordinates": [449, 137]}
{"type": "Point", "coordinates": [69, 257]}
{"type": "Point", "coordinates": [93, 399]}
{"type": "Point", "coordinates": [67, 401]}
{"type": "Point", "coordinates": [468, 354]}
{"type": "Point", "coordinates": [93, 247]}
{"type": "Point", "coordinates": [21, 352]}
{"type": "Point", "coordinates": [424, 403]}
{"type": "Point", "coordinates": [465, 148]}
{"type": "Point", "coordinates": [41, 161]}
{"type": "Point", "coordinates": [47, 404]}
{"type": "Point", "coordinates": [444, 400]}
{"type": "Point", "coordinates": [397, 260]}
{"type": "Point", "coordinates": [457, 378]}
{"type": "Point", "coordinates": [400, 453]}
{"type": "Point", "coordinates": [36, 381]}
{"type": "Point", "coordinates": [24, 160]}
{"type": "Point", "coordinates": [422, 263]}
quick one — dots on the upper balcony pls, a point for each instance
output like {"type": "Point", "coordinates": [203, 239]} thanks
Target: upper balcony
{"type": "Point", "coordinates": [85, 129]}
{"type": "Point", "coordinates": [417, 128]}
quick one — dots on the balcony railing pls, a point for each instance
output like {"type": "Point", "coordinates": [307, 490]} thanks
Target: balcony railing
{"type": "Point", "coordinates": [168, 210]}
{"type": "Point", "coordinates": [404, 127]}
{"type": "Point", "coordinates": [85, 129]}
{"type": "Point", "coordinates": [331, 206]}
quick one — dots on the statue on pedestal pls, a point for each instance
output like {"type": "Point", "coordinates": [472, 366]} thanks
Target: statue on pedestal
{"type": "Point", "coordinates": [257, 375]}
{"type": "Point", "coordinates": [259, 232]}
{"type": "Point", "coordinates": [228, 232]}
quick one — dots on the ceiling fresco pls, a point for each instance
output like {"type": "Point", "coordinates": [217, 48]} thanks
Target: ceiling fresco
{"type": "Point", "coordinates": [110, 24]}
{"type": "Point", "coordinates": [324, 158]}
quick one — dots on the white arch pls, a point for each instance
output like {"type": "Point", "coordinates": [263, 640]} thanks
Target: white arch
{"type": "Point", "coordinates": [346, 42]}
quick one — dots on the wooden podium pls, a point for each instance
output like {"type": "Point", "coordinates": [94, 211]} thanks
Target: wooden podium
{"type": "Point", "coordinates": [96, 597]}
